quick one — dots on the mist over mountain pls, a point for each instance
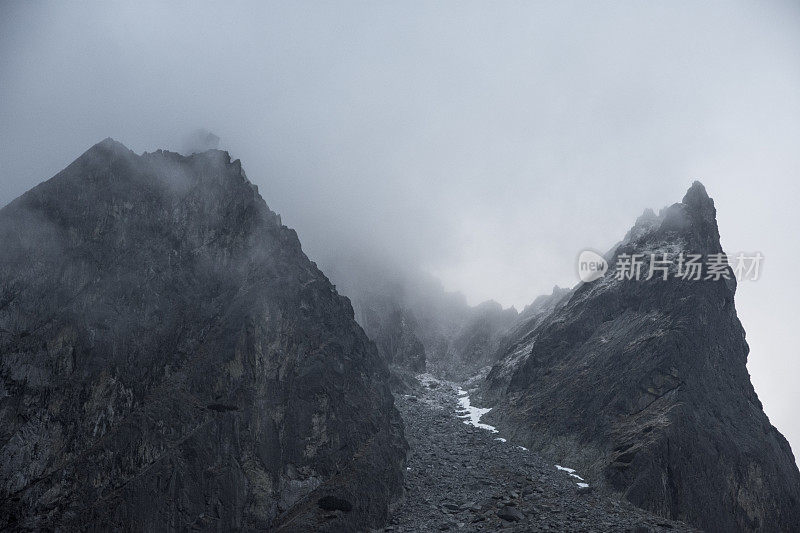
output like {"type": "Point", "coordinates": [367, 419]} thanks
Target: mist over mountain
{"type": "Point", "coordinates": [415, 323]}
{"type": "Point", "coordinates": [406, 338]}
{"type": "Point", "coordinates": [485, 145]}
{"type": "Point", "coordinates": [170, 359]}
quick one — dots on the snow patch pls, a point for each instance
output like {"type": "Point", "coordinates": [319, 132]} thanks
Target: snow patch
{"type": "Point", "coordinates": [571, 472]}
{"type": "Point", "coordinates": [471, 413]}
{"type": "Point", "coordinates": [501, 439]}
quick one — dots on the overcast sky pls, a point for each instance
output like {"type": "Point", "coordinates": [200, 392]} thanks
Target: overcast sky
{"type": "Point", "coordinates": [486, 142]}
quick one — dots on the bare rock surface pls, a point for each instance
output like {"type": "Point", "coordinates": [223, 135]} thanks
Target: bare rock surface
{"type": "Point", "coordinates": [464, 478]}
{"type": "Point", "coordinates": [171, 360]}
{"type": "Point", "coordinates": [642, 384]}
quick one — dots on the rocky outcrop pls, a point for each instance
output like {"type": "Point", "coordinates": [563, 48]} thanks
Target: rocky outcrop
{"type": "Point", "coordinates": [393, 328]}
{"type": "Point", "coordinates": [170, 359]}
{"type": "Point", "coordinates": [643, 385]}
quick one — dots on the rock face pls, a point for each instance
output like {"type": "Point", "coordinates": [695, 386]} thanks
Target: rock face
{"type": "Point", "coordinates": [394, 329]}
{"type": "Point", "coordinates": [170, 359]}
{"type": "Point", "coordinates": [643, 385]}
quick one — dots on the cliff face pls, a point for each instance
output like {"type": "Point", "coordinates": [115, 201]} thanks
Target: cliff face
{"type": "Point", "coordinates": [394, 330]}
{"type": "Point", "coordinates": [643, 386]}
{"type": "Point", "coordinates": [171, 359]}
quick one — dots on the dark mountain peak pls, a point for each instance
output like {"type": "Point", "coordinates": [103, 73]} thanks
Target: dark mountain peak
{"type": "Point", "coordinates": [639, 382]}
{"type": "Point", "coordinates": [109, 148]}
{"type": "Point", "coordinates": [110, 174]}
{"type": "Point", "coordinates": [171, 359]}
{"type": "Point", "coordinates": [689, 226]}
{"type": "Point", "coordinates": [696, 219]}
{"type": "Point", "coordinates": [103, 151]}
{"type": "Point", "coordinates": [696, 210]}
{"type": "Point", "coordinates": [697, 197]}
{"type": "Point", "coordinates": [110, 144]}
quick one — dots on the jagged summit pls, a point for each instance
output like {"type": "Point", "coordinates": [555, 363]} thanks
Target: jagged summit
{"type": "Point", "coordinates": [110, 168]}
{"type": "Point", "coordinates": [690, 224]}
{"type": "Point", "coordinates": [109, 147]}
{"type": "Point", "coordinates": [170, 360]}
{"type": "Point", "coordinates": [697, 197]}
{"type": "Point", "coordinates": [642, 384]}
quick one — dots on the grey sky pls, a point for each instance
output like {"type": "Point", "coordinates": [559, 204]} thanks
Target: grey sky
{"type": "Point", "coordinates": [486, 142]}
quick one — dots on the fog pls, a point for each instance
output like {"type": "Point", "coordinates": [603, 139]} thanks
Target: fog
{"type": "Point", "coordinates": [485, 143]}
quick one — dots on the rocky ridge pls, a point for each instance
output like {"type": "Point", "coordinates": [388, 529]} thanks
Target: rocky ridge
{"type": "Point", "coordinates": [642, 384]}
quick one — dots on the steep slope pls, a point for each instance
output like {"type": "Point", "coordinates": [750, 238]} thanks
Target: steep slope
{"type": "Point", "coordinates": [394, 329]}
{"type": "Point", "coordinates": [643, 385]}
{"type": "Point", "coordinates": [170, 359]}
{"type": "Point", "coordinates": [469, 479]}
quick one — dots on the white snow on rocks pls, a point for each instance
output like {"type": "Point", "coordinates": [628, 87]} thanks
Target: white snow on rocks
{"type": "Point", "coordinates": [571, 472]}
{"type": "Point", "coordinates": [473, 414]}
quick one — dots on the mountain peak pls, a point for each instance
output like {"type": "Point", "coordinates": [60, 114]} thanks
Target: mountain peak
{"type": "Point", "coordinates": [102, 153]}
{"type": "Point", "coordinates": [698, 201]}
{"type": "Point", "coordinates": [696, 193]}
{"type": "Point", "coordinates": [665, 362]}
{"type": "Point", "coordinates": [180, 306]}
{"type": "Point", "coordinates": [691, 222]}
{"type": "Point", "coordinates": [702, 215]}
{"type": "Point", "coordinates": [112, 145]}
